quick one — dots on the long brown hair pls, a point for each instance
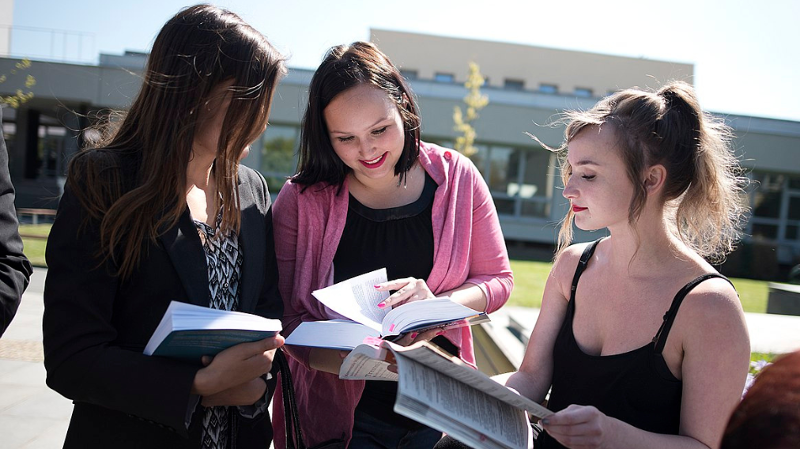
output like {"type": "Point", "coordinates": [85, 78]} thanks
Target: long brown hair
{"type": "Point", "coordinates": [703, 192]}
{"type": "Point", "coordinates": [134, 182]}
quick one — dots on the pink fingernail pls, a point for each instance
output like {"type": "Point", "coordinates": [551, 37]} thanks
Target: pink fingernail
{"type": "Point", "coordinates": [391, 328]}
{"type": "Point", "coordinates": [381, 305]}
{"type": "Point", "coordinates": [377, 286]}
{"type": "Point", "coordinates": [414, 335]}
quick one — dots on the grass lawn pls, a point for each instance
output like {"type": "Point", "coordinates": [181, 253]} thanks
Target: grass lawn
{"type": "Point", "coordinates": [530, 276]}
{"type": "Point", "coordinates": [34, 247]}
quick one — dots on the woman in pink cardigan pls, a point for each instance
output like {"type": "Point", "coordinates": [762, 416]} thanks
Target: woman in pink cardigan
{"type": "Point", "coordinates": [369, 194]}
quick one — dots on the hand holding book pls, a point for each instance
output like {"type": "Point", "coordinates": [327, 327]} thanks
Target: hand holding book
{"type": "Point", "coordinates": [357, 299]}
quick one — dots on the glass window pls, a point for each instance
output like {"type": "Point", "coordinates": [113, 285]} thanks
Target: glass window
{"type": "Point", "coordinates": [503, 163]}
{"type": "Point", "coordinates": [794, 182]}
{"type": "Point", "coordinates": [511, 84]}
{"type": "Point", "coordinates": [480, 157]}
{"type": "Point", "coordinates": [583, 92]}
{"type": "Point", "coordinates": [791, 232]}
{"type": "Point", "coordinates": [278, 148]}
{"type": "Point", "coordinates": [548, 88]}
{"type": "Point", "coordinates": [764, 231]}
{"type": "Point", "coordinates": [794, 208]}
{"type": "Point", "coordinates": [409, 74]}
{"type": "Point", "coordinates": [504, 206]}
{"type": "Point", "coordinates": [536, 208]}
{"type": "Point", "coordinates": [444, 77]}
{"type": "Point", "coordinates": [767, 194]}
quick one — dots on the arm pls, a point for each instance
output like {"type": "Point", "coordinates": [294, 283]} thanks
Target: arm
{"type": "Point", "coordinates": [535, 374]}
{"type": "Point", "coordinates": [82, 359]}
{"type": "Point", "coordinates": [488, 278]}
{"type": "Point", "coordinates": [15, 270]}
{"type": "Point", "coordinates": [489, 269]}
{"type": "Point", "coordinates": [285, 222]}
{"type": "Point", "coordinates": [711, 335]}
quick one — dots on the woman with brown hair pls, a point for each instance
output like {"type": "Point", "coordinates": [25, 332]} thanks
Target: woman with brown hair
{"type": "Point", "coordinates": [368, 194]}
{"type": "Point", "coordinates": [161, 211]}
{"type": "Point", "coordinates": [642, 341]}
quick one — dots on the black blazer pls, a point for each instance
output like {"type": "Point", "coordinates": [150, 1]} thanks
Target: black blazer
{"type": "Point", "coordinates": [95, 326]}
{"type": "Point", "coordinates": [15, 270]}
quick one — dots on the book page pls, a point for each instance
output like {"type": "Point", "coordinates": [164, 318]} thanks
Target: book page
{"type": "Point", "coordinates": [331, 334]}
{"type": "Point", "coordinates": [429, 313]}
{"type": "Point", "coordinates": [426, 354]}
{"type": "Point", "coordinates": [458, 409]}
{"type": "Point", "coordinates": [357, 298]}
{"type": "Point", "coordinates": [367, 362]}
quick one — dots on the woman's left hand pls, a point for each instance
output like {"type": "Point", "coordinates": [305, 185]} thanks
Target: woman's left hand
{"type": "Point", "coordinates": [579, 426]}
{"type": "Point", "coordinates": [407, 290]}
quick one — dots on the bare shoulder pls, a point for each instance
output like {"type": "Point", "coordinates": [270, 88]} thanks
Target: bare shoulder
{"type": "Point", "coordinates": [564, 266]}
{"type": "Point", "coordinates": [712, 312]}
{"type": "Point", "coordinates": [712, 298]}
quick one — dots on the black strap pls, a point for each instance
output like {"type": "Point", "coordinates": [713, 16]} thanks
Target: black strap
{"type": "Point", "coordinates": [669, 317]}
{"type": "Point", "coordinates": [587, 254]}
{"type": "Point", "coordinates": [294, 435]}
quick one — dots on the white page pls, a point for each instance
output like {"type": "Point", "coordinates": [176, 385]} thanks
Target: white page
{"type": "Point", "coordinates": [446, 404]}
{"type": "Point", "coordinates": [332, 334]}
{"type": "Point", "coordinates": [424, 354]}
{"type": "Point", "coordinates": [368, 362]}
{"type": "Point", "coordinates": [357, 298]}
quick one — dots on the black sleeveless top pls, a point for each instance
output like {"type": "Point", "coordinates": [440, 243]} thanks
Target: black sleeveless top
{"type": "Point", "coordinates": [636, 387]}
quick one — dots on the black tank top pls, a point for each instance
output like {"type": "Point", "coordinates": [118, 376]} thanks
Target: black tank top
{"type": "Point", "coordinates": [636, 387]}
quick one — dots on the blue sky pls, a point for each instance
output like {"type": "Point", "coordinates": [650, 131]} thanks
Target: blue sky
{"type": "Point", "coordinates": [745, 53]}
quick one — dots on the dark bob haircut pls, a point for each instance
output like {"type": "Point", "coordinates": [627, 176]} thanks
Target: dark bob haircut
{"type": "Point", "coordinates": [345, 67]}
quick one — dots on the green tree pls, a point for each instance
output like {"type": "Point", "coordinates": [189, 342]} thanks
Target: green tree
{"type": "Point", "coordinates": [20, 96]}
{"type": "Point", "coordinates": [474, 101]}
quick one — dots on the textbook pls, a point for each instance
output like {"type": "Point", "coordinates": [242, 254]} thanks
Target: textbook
{"type": "Point", "coordinates": [357, 300]}
{"type": "Point", "coordinates": [443, 392]}
{"type": "Point", "coordinates": [189, 332]}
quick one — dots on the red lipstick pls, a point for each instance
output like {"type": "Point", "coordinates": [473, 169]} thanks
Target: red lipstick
{"type": "Point", "coordinates": [577, 209]}
{"type": "Point", "coordinates": [375, 164]}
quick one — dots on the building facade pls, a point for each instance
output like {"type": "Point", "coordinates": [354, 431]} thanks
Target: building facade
{"type": "Point", "coordinates": [527, 88]}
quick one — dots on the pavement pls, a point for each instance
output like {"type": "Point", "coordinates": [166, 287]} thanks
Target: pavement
{"type": "Point", "coordinates": [34, 417]}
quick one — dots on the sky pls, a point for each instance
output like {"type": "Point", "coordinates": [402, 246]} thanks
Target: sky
{"type": "Point", "coordinates": [746, 54]}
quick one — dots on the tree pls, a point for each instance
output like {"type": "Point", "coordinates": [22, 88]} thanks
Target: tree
{"type": "Point", "coordinates": [474, 101]}
{"type": "Point", "coordinates": [20, 96]}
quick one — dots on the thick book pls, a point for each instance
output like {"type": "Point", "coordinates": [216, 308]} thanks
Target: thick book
{"type": "Point", "coordinates": [357, 300]}
{"type": "Point", "coordinates": [443, 392]}
{"type": "Point", "coordinates": [189, 332]}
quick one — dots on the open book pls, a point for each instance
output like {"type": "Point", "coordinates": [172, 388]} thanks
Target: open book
{"type": "Point", "coordinates": [189, 332]}
{"type": "Point", "coordinates": [443, 392]}
{"type": "Point", "coordinates": [357, 299]}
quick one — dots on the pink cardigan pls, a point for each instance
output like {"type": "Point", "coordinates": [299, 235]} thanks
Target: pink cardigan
{"type": "Point", "coordinates": [468, 247]}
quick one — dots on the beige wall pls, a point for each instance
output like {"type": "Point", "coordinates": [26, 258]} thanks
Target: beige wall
{"type": "Point", "coordinates": [569, 70]}
{"type": "Point", "coordinates": [6, 20]}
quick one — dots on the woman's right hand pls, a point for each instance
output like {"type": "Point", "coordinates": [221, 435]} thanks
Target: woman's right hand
{"type": "Point", "coordinates": [235, 366]}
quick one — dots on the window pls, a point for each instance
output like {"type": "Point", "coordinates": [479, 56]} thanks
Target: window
{"type": "Point", "coordinates": [278, 147]}
{"type": "Point", "coordinates": [514, 84]}
{"type": "Point", "coordinates": [409, 74]}
{"type": "Point", "coordinates": [548, 88]}
{"type": "Point", "coordinates": [520, 179]}
{"type": "Point", "coordinates": [444, 77]}
{"type": "Point", "coordinates": [583, 92]}
{"type": "Point", "coordinates": [767, 195]}
{"type": "Point", "coordinates": [775, 202]}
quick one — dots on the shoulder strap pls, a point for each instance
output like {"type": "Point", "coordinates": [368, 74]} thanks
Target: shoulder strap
{"type": "Point", "coordinates": [294, 435]}
{"type": "Point", "coordinates": [587, 254]}
{"type": "Point", "coordinates": [669, 317]}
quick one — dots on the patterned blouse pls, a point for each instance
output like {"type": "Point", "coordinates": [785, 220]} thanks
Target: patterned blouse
{"type": "Point", "coordinates": [224, 262]}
